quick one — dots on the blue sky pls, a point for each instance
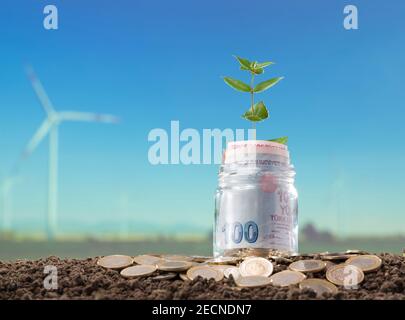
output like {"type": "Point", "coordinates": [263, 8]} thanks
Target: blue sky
{"type": "Point", "coordinates": [150, 62]}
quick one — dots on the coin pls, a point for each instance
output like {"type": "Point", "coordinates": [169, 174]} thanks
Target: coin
{"type": "Point", "coordinates": [174, 265]}
{"type": "Point", "coordinates": [295, 254]}
{"type": "Point", "coordinates": [356, 251]}
{"type": "Point", "coordinates": [147, 259]}
{"type": "Point", "coordinates": [329, 264]}
{"type": "Point", "coordinates": [308, 265]}
{"type": "Point", "coordinates": [196, 264]}
{"type": "Point", "coordinates": [220, 267]}
{"type": "Point", "coordinates": [344, 253]}
{"type": "Point", "coordinates": [320, 286]}
{"type": "Point", "coordinates": [286, 278]}
{"type": "Point", "coordinates": [223, 260]}
{"type": "Point", "coordinates": [366, 263]}
{"type": "Point", "coordinates": [337, 256]}
{"type": "Point", "coordinates": [257, 252]}
{"type": "Point", "coordinates": [200, 259]}
{"type": "Point", "coordinates": [184, 277]}
{"type": "Point", "coordinates": [153, 254]}
{"type": "Point", "coordinates": [115, 261]}
{"type": "Point", "coordinates": [345, 274]}
{"type": "Point", "coordinates": [252, 281]}
{"type": "Point", "coordinates": [176, 257]}
{"type": "Point", "coordinates": [167, 276]}
{"type": "Point", "coordinates": [256, 266]}
{"type": "Point", "coordinates": [325, 253]}
{"type": "Point", "coordinates": [138, 271]}
{"type": "Point", "coordinates": [245, 252]}
{"type": "Point", "coordinates": [205, 272]}
{"type": "Point", "coordinates": [307, 255]}
{"type": "Point", "coordinates": [234, 271]}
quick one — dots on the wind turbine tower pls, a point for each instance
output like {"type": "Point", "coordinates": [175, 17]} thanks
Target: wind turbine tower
{"type": "Point", "coordinates": [50, 126]}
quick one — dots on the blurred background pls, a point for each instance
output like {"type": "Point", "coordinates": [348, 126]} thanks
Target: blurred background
{"type": "Point", "coordinates": [80, 184]}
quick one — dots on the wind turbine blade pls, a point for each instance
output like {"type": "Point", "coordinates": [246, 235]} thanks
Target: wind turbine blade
{"type": "Point", "coordinates": [37, 138]}
{"type": "Point", "coordinates": [40, 91]}
{"type": "Point", "coordinates": [87, 116]}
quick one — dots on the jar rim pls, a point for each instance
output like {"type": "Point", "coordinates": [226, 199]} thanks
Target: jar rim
{"type": "Point", "coordinates": [251, 149]}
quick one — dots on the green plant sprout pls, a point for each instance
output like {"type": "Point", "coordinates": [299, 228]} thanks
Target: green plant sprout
{"type": "Point", "coordinates": [257, 111]}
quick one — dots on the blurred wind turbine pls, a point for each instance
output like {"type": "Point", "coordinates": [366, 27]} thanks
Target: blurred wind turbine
{"type": "Point", "coordinates": [51, 125]}
{"type": "Point", "coordinates": [6, 190]}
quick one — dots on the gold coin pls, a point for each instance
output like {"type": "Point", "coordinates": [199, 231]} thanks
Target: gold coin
{"type": "Point", "coordinates": [184, 277]}
{"type": "Point", "coordinates": [256, 266]}
{"type": "Point", "coordinates": [138, 271]}
{"type": "Point", "coordinates": [115, 261]}
{"type": "Point", "coordinates": [223, 260]}
{"type": "Point", "coordinates": [345, 275]}
{"type": "Point", "coordinates": [366, 263]}
{"type": "Point", "coordinates": [205, 272]}
{"type": "Point", "coordinates": [167, 276]}
{"type": "Point", "coordinates": [147, 259]}
{"type": "Point", "coordinates": [252, 281]}
{"type": "Point", "coordinates": [319, 286]}
{"type": "Point", "coordinates": [174, 265]}
{"type": "Point", "coordinates": [234, 271]}
{"type": "Point", "coordinates": [286, 278]}
{"type": "Point", "coordinates": [308, 265]}
{"type": "Point", "coordinates": [176, 257]}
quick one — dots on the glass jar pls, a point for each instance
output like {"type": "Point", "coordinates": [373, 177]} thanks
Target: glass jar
{"type": "Point", "coordinates": [256, 207]}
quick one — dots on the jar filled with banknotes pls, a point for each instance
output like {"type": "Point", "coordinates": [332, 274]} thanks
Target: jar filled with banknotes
{"type": "Point", "coordinates": [256, 207]}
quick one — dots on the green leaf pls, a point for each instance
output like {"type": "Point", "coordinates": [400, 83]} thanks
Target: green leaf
{"type": "Point", "coordinates": [237, 84]}
{"type": "Point", "coordinates": [282, 140]}
{"type": "Point", "coordinates": [267, 84]}
{"type": "Point", "coordinates": [253, 65]}
{"type": "Point", "coordinates": [245, 63]}
{"type": "Point", "coordinates": [264, 64]}
{"type": "Point", "coordinates": [258, 71]}
{"type": "Point", "coordinates": [257, 113]}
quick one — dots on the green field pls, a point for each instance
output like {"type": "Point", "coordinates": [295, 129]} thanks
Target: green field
{"type": "Point", "coordinates": [81, 248]}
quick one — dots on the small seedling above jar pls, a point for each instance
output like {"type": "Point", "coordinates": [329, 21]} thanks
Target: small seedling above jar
{"type": "Point", "coordinates": [257, 111]}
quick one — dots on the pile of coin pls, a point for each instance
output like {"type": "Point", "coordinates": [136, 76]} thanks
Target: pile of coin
{"type": "Point", "coordinates": [321, 272]}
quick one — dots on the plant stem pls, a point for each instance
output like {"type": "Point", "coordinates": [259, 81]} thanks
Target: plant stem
{"type": "Point", "coordinates": [251, 92]}
{"type": "Point", "coordinates": [253, 101]}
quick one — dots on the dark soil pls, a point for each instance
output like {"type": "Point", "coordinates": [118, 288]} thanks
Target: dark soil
{"type": "Point", "coordinates": [83, 279]}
